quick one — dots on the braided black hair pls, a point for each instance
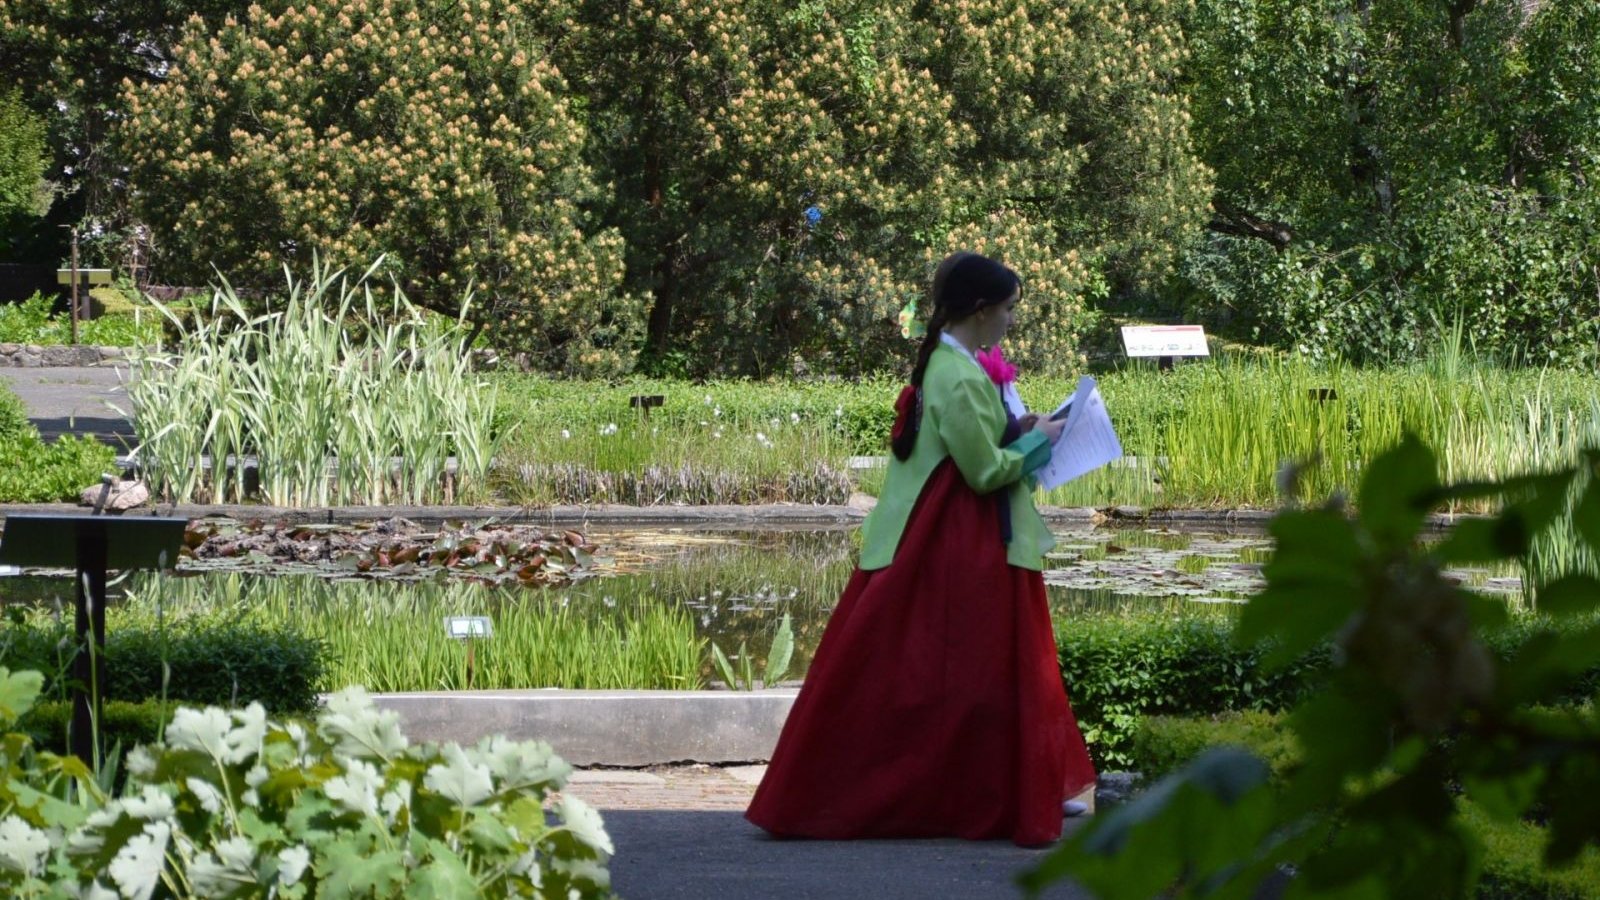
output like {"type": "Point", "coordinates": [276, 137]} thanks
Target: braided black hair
{"type": "Point", "coordinates": [963, 284]}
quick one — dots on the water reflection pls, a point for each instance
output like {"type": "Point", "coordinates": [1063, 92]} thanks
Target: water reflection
{"type": "Point", "coordinates": [738, 584]}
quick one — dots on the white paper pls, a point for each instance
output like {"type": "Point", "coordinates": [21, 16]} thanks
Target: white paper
{"type": "Point", "coordinates": [1008, 395]}
{"type": "Point", "coordinates": [1087, 442]}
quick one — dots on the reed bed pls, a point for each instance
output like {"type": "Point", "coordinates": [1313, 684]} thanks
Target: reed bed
{"type": "Point", "coordinates": [342, 392]}
{"type": "Point", "coordinates": [390, 637]}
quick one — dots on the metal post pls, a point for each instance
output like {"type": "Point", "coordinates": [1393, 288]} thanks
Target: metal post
{"type": "Point", "coordinates": [74, 285]}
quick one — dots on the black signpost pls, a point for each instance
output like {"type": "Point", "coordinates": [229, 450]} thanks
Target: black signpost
{"type": "Point", "coordinates": [92, 545]}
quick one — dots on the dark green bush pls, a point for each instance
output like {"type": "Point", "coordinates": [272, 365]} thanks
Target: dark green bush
{"type": "Point", "coordinates": [1161, 744]}
{"type": "Point", "coordinates": [13, 416]}
{"type": "Point", "coordinates": [121, 721]}
{"type": "Point", "coordinates": [222, 664]}
{"type": "Point", "coordinates": [32, 471]}
{"type": "Point", "coordinates": [1118, 670]}
{"type": "Point", "coordinates": [1513, 859]}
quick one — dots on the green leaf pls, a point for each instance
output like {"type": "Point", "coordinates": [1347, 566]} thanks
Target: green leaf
{"type": "Point", "coordinates": [1568, 595]}
{"type": "Point", "coordinates": [1586, 515]}
{"type": "Point", "coordinates": [443, 876]}
{"type": "Point", "coordinates": [1397, 489]}
{"type": "Point", "coordinates": [724, 667]}
{"type": "Point", "coordinates": [18, 692]}
{"type": "Point", "coordinates": [462, 780]}
{"type": "Point", "coordinates": [349, 867]}
{"type": "Point", "coordinates": [782, 649]}
{"type": "Point", "coordinates": [1485, 540]}
{"type": "Point", "coordinates": [1293, 620]}
{"type": "Point", "coordinates": [585, 824]}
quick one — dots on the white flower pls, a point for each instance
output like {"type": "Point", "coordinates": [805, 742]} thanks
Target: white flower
{"type": "Point", "coordinates": [565, 434]}
{"type": "Point", "coordinates": [838, 411]}
{"type": "Point", "coordinates": [716, 412]}
{"type": "Point", "coordinates": [708, 399]}
{"type": "Point", "coordinates": [761, 437]}
{"type": "Point", "coordinates": [794, 418]}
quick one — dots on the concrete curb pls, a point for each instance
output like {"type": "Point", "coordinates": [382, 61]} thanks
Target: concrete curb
{"type": "Point", "coordinates": [606, 728]}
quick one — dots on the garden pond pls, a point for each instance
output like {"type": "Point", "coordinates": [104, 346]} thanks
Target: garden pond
{"type": "Point", "coordinates": [650, 592]}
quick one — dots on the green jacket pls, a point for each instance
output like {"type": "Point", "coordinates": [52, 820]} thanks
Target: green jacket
{"type": "Point", "coordinates": [963, 418]}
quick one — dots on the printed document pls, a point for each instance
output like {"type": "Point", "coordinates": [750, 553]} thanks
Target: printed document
{"type": "Point", "coordinates": [1087, 442]}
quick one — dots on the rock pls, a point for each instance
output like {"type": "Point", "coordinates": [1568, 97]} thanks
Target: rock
{"type": "Point", "coordinates": [863, 502]}
{"type": "Point", "coordinates": [123, 496]}
{"type": "Point", "coordinates": [1114, 788]}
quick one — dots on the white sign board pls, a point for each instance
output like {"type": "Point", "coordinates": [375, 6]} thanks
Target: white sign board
{"type": "Point", "coordinates": [1165, 340]}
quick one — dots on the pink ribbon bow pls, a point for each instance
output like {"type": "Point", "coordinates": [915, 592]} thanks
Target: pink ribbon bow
{"type": "Point", "coordinates": [994, 363]}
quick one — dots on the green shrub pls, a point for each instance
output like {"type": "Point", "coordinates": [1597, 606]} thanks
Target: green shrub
{"type": "Point", "coordinates": [129, 724]}
{"type": "Point", "coordinates": [26, 322]}
{"type": "Point", "coordinates": [32, 471]}
{"type": "Point", "coordinates": [14, 422]}
{"type": "Point", "coordinates": [235, 805]}
{"type": "Point", "coordinates": [1161, 744]}
{"type": "Point", "coordinates": [222, 663]}
{"type": "Point", "coordinates": [1121, 669]}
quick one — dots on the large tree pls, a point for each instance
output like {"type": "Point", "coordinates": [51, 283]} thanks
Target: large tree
{"type": "Point", "coordinates": [1384, 166]}
{"type": "Point", "coordinates": [24, 192]}
{"type": "Point", "coordinates": [434, 131]}
{"type": "Point", "coordinates": [787, 174]}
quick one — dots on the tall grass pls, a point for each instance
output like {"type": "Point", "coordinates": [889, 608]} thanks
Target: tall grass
{"type": "Point", "coordinates": [391, 637]}
{"type": "Point", "coordinates": [343, 397]}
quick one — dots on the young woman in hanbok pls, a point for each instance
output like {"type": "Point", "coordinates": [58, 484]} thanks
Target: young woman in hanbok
{"type": "Point", "coordinates": [934, 706]}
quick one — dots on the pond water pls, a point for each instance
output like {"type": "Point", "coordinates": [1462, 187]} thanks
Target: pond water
{"type": "Point", "coordinates": [738, 584]}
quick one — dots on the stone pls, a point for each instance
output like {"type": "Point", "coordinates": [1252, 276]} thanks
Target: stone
{"type": "Point", "coordinates": [863, 502]}
{"type": "Point", "coordinates": [124, 495]}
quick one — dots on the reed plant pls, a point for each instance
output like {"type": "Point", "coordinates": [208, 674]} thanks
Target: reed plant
{"type": "Point", "coordinates": [343, 391]}
{"type": "Point", "coordinates": [391, 637]}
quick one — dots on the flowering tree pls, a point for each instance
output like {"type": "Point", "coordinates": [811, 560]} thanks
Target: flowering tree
{"type": "Point", "coordinates": [787, 175]}
{"type": "Point", "coordinates": [439, 133]}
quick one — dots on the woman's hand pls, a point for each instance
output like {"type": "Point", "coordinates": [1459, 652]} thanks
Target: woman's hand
{"type": "Point", "coordinates": [1052, 428]}
{"type": "Point", "coordinates": [1027, 421]}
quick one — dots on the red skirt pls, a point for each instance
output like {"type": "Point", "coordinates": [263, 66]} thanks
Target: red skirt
{"type": "Point", "coordinates": [934, 705]}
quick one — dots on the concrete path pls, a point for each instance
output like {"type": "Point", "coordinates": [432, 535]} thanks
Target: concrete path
{"type": "Point", "coordinates": [74, 401]}
{"type": "Point", "coordinates": [680, 834]}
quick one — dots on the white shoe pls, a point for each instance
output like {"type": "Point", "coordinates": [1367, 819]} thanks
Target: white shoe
{"type": "Point", "coordinates": [1071, 809]}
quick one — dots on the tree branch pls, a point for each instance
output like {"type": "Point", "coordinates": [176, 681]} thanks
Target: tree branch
{"type": "Point", "coordinates": [1229, 219]}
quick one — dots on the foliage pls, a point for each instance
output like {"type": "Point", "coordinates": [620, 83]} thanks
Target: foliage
{"type": "Point", "coordinates": [441, 136]}
{"type": "Point", "coordinates": [233, 803]}
{"type": "Point", "coordinates": [787, 175]}
{"type": "Point", "coordinates": [389, 637]}
{"type": "Point", "coordinates": [1386, 168]}
{"type": "Point", "coordinates": [32, 471]}
{"type": "Point", "coordinates": [1163, 744]}
{"type": "Point", "coordinates": [1418, 714]}
{"type": "Point", "coordinates": [123, 722]}
{"type": "Point", "coordinates": [1513, 850]}
{"type": "Point", "coordinates": [217, 659]}
{"type": "Point", "coordinates": [31, 322]}
{"type": "Point", "coordinates": [328, 371]}
{"type": "Point", "coordinates": [24, 155]}
{"type": "Point", "coordinates": [777, 665]}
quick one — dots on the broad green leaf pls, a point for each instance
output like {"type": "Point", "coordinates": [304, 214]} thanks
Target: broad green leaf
{"type": "Point", "coordinates": [1586, 515]}
{"type": "Point", "coordinates": [724, 668]}
{"type": "Point", "coordinates": [226, 871]}
{"type": "Point", "coordinates": [18, 692]}
{"type": "Point", "coordinates": [781, 651]}
{"type": "Point", "coordinates": [443, 876]}
{"type": "Point", "coordinates": [358, 728]}
{"type": "Point", "coordinates": [1568, 595]}
{"type": "Point", "coordinates": [463, 780]}
{"type": "Point", "coordinates": [1396, 490]}
{"type": "Point", "coordinates": [1293, 620]}
{"type": "Point", "coordinates": [349, 867]}
{"type": "Point", "coordinates": [1484, 540]}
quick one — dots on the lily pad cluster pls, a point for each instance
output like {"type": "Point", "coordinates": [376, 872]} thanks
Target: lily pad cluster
{"type": "Point", "coordinates": [394, 548]}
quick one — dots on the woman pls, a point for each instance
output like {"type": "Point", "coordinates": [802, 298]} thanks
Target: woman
{"type": "Point", "coordinates": [934, 705]}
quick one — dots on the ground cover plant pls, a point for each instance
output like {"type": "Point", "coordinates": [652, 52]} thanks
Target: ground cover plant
{"type": "Point", "coordinates": [1417, 714]}
{"type": "Point", "coordinates": [342, 368]}
{"type": "Point", "coordinates": [32, 322]}
{"type": "Point", "coordinates": [231, 803]}
{"type": "Point", "coordinates": [32, 471]}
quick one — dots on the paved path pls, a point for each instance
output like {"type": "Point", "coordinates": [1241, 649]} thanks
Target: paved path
{"type": "Point", "coordinates": [74, 400]}
{"type": "Point", "coordinates": [680, 834]}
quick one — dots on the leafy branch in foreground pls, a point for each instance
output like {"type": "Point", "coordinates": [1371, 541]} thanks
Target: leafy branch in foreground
{"type": "Point", "coordinates": [1417, 716]}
